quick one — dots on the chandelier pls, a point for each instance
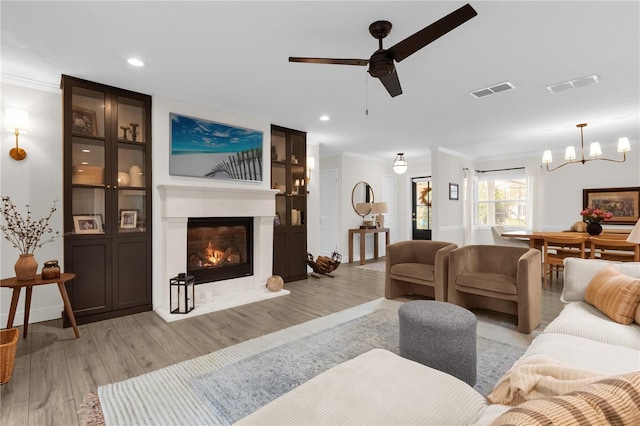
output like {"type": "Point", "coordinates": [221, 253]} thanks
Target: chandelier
{"type": "Point", "coordinates": [594, 151]}
{"type": "Point", "coordinates": [399, 164]}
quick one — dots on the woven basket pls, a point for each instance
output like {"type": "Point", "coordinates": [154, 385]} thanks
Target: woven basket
{"type": "Point", "coordinates": [8, 344]}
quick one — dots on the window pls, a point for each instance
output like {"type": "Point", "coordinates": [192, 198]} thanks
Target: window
{"type": "Point", "coordinates": [501, 199]}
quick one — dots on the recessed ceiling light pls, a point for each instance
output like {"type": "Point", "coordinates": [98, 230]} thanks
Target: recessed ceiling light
{"type": "Point", "coordinates": [324, 118]}
{"type": "Point", "coordinates": [135, 62]}
{"type": "Point", "coordinates": [84, 163]}
{"type": "Point", "coordinates": [86, 150]}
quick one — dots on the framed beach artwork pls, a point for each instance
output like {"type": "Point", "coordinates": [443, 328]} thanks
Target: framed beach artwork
{"type": "Point", "coordinates": [207, 149]}
{"type": "Point", "coordinates": [623, 203]}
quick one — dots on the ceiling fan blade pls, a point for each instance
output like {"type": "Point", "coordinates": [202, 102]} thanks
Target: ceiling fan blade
{"type": "Point", "coordinates": [392, 84]}
{"type": "Point", "coordinates": [430, 33]}
{"type": "Point", "coordinates": [360, 62]}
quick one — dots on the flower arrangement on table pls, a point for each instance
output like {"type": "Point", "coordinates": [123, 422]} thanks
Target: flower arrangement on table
{"type": "Point", "coordinates": [26, 234]}
{"type": "Point", "coordinates": [593, 215]}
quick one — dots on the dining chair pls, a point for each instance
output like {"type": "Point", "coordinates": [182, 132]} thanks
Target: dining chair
{"type": "Point", "coordinates": [499, 240]}
{"type": "Point", "coordinates": [617, 249]}
{"type": "Point", "coordinates": [556, 248]}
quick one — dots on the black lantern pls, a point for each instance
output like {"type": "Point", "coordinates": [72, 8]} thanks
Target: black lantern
{"type": "Point", "coordinates": [182, 294]}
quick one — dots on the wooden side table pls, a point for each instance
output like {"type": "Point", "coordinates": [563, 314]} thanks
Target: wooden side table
{"type": "Point", "coordinates": [29, 284]}
{"type": "Point", "coordinates": [363, 233]}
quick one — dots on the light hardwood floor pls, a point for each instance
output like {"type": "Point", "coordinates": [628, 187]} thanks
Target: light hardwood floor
{"type": "Point", "coordinates": [54, 371]}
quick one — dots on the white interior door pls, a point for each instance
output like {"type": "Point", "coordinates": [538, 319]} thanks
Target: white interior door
{"type": "Point", "coordinates": [328, 212]}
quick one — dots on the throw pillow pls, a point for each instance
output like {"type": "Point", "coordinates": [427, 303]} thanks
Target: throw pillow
{"type": "Point", "coordinates": [578, 273]}
{"type": "Point", "coordinates": [609, 401]}
{"type": "Point", "coordinates": [614, 294]}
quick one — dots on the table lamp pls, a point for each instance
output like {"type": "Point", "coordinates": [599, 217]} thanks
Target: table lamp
{"type": "Point", "coordinates": [634, 236]}
{"type": "Point", "coordinates": [378, 209]}
{"type": "Point", "coordinates": [363, 210]}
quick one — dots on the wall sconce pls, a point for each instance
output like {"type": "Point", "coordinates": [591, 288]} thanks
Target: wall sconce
{"type": "Point", "coordinates": [311, 165]}
{"type": "Point", "coordinates": [16, 121]}
{"type": "Point", "coordinates": [399, 164]}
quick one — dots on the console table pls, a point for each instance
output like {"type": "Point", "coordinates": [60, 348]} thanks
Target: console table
{"type": "Point", "coordinates": [29, 284]}
{"type": "Point", "coordinates": [363, 233]}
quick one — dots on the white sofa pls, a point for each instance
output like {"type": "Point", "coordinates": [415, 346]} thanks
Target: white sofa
{"type": "Point", "coordinates": [379, 387]}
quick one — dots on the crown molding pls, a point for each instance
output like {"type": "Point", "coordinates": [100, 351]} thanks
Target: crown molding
{"type": "Point", "coordinates": [32, 84]}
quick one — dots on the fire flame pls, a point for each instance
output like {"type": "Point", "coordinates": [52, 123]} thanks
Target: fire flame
{"type": "Point", "coordinates": [212, 255]}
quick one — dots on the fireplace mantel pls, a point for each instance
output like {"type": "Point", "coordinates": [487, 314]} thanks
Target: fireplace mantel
{"type": "Point", "coordinates": [178, 203]}
{"type": "Point", "coordinates": [199, 201]}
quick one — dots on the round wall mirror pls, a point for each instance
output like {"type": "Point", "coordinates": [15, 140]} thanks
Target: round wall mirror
{"type": "Point", "coordinates": [361, 198]}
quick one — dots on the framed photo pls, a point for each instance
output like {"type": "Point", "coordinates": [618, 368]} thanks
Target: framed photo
{"type": "Point", "coordinates": [87, 224]}
{"type": "Point", "coordinates": [128, 219]}
{"type": "Point", "coordinates": [623, 203]}
{"type": "Point", "coordinates": [83, 121]}
{"type": "Point", "coordinates": [453, 191]}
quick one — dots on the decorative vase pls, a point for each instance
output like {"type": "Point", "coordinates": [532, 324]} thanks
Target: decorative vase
{"type": "Point", "coordinates": [26, 267]}
{"type": "Point", "coordinates": [594, 228]}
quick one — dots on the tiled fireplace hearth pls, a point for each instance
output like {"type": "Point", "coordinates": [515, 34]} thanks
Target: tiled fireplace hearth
{"type": "Point", "coordinates": [178, 204]}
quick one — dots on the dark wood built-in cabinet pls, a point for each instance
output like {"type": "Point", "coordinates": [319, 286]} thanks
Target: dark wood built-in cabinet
{"type": "Point", "coordinates": [288, 175]}
{"type": "Point", "coordinates": [107, 199]}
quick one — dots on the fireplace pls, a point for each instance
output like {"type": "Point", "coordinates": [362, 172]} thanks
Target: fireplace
{"type": "Point", "coordinates": [179, 203]}
{"type": "Point", "coordinates": [219, 248]}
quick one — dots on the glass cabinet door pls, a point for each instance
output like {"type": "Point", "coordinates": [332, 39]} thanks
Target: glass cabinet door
{"type": "Point", "coordinates": [130, 181]}
{"type": "Point", "coordinates": [88, 202]}
{"type": "Point", "coordinates": [279, 177]}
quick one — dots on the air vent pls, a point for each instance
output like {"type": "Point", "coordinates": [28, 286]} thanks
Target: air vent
{"type": "Point", "coordinates": [480, 93]}
{"type": "Point", "coordinates": [572, 84]}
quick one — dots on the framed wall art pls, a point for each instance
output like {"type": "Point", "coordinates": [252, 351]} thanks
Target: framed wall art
{"type": "Point", "coordinates": [623, 203]}
{"type": "Point", "coordinates": [83, 121]}
{"type": "Point", "coordinates": [453, 191]}
{"type": "Point", "coordinates": [206, 149]}
{"type": "Point", "coordinates": [87, 224]}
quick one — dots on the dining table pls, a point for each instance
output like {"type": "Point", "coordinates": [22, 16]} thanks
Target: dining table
{"type": "Point", "coordinates": [536, 238]}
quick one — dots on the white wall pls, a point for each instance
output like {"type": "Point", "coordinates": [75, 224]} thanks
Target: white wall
{"type": "Point", "coordinates": [37, 181]}
{"type": "Point", "coordinates": [313, 202]}
{"type": "Point", "coordinates": [447, 214]}
{"type": "Point", "coordinates": [352, 169]}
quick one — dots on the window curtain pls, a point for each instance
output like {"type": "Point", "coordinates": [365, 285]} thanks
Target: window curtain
{"type": "Point", "coordinates": [467, 200]}
{"type": "Point", "coordinates": [534, 197]}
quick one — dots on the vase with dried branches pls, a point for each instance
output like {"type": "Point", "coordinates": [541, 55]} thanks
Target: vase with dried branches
{"type": "Point", "coordinates": [26, 234]}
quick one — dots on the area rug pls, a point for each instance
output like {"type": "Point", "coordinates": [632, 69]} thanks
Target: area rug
{"type": "Point", "coordinates": [226, 385]}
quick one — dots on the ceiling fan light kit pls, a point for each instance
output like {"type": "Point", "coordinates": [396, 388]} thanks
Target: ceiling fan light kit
{"type": "Point", "coordinates": [595, 151]}
{"type": "Point", "coordinates": [382, 62]}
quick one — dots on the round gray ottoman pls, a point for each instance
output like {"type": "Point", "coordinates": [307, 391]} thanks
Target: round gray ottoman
{"type": "Point", "coordinates": [440, 335]}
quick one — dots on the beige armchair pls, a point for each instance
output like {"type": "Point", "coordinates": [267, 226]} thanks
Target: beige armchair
{"type": "Point", "coordinates": [417, 267]}
{"type": "Point", "coordinates": [498, 278]}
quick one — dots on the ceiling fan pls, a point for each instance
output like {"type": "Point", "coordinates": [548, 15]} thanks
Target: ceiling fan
{"type": "Point", "coordinates": [381, 64]}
